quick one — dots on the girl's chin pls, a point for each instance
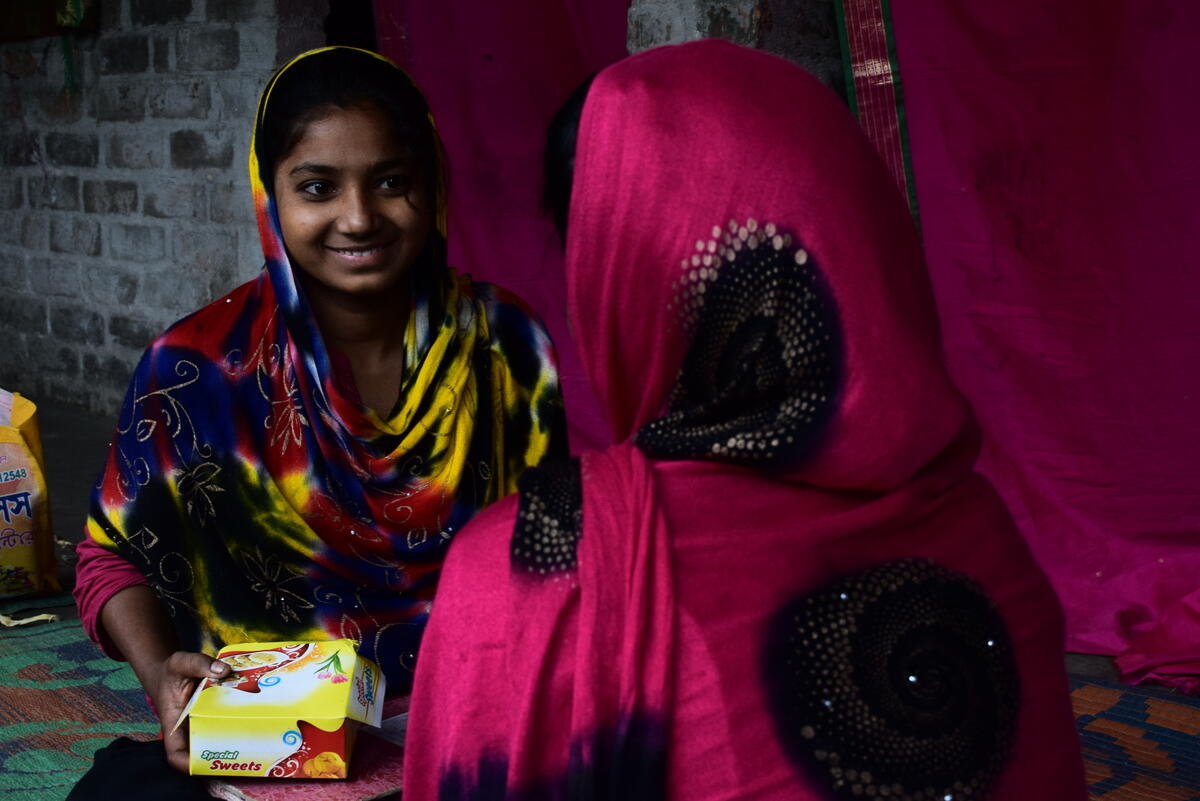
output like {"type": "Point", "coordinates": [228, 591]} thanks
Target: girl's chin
{"type": "Point", "coordinates": [366, 285]}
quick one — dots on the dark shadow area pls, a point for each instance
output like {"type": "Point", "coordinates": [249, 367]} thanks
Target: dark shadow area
{"type": "Point", "coordinates": [351, 23]}
{"type": "Point", "coordinates": [75, 443]}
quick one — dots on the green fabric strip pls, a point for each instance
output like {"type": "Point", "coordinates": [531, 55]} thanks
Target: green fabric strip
{"type": "Point", "coordinates": [847, 59]}
{"type": "Point", "coordinates": [901, 113]}
{"type": "Point", "coordinates": [844, 21]}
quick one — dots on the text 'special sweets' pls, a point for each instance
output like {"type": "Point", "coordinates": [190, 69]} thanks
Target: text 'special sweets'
{"type": "Point", "coordinates": [288, 710]}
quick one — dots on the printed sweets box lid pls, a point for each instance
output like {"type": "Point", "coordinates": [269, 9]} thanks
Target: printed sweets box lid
{"type": "Point", "coordinates": [288, 710]}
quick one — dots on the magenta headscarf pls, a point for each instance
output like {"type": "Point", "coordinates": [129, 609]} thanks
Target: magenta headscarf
{"type": "Point", "coordinates": [786, 581]}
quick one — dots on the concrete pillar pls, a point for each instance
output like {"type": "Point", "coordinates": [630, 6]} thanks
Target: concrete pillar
{"type": "Point", "coordinates": [804, 31]}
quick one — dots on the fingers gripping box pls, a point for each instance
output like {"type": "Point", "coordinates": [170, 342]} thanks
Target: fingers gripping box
{"type": "Point", "coordinates": [288, 710]}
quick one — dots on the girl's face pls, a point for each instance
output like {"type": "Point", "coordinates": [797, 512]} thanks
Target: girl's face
{"type": "Point", "coordinates": [354, 213]}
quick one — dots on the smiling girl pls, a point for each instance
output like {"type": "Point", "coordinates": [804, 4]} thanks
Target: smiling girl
{"type": "Point", "coordinates": [292, 460]}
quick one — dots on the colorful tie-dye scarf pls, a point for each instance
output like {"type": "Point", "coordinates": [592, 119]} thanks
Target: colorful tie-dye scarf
{"type": "Point", "coordinates": [263, 501]}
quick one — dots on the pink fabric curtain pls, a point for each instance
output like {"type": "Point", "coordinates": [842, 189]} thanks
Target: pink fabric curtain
{"type": "Point", "coordinates": [1056, 176]}
{"type": "Point", "coordinates": [1054, 150]}
{"type": "Point", "coordinates": [494, 74]}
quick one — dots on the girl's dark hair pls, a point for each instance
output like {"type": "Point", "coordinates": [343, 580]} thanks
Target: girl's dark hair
{"type": "Point", "coordinates": [558, 159]}
{"type": "Point", "coordinates": [345, 78]}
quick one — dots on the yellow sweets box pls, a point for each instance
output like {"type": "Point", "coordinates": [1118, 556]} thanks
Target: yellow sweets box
{"type": "Point", "coordinates": [288, 710]}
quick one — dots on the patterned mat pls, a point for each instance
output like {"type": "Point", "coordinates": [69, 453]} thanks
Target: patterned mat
{"type": "Point", "coordinates": [1138, 744]}
{"type": "Point", "coordinates": [60, 700]}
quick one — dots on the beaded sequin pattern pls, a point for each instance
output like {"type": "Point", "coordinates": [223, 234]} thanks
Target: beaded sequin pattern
{"type": "Point", "coordinates": [549, 520]}
{"type": "Point", "coordinates": [760, 377]}
{"type": "Point", "coordinates": [896, 683]}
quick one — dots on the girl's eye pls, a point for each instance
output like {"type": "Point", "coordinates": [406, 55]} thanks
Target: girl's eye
{"type": "Point", "coordinates": [316, 188]}
{"type": "Point", "coordinates": [395, 183]}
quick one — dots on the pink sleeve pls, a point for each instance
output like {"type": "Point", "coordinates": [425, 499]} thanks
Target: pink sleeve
{"type": "Point", "coordinates": [99, 575]}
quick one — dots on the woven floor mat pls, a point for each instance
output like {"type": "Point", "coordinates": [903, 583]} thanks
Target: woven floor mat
{"type": "Point", "coordinates": [1139, 744]}
{"type": "Point", "coordinates": [60, 700]}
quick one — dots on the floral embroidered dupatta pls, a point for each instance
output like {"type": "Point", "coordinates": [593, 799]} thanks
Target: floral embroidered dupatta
{"type": "Point", "coordinates": [263, 501]}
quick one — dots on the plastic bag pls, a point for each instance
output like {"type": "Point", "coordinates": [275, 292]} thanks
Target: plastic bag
{"type": "Point", "coordinates": [27, 559]}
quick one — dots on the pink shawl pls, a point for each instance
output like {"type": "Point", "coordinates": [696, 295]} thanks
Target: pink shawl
{"type": "Point", "coordinates": [786, 581]}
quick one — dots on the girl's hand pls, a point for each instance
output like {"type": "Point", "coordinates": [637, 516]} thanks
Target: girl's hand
{"type": "Point", "coordinates": [137, 623]}
{"type": "Point", "coordinates": [177, 678]}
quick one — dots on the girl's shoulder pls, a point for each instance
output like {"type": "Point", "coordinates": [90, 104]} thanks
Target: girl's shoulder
{"type": "Point", "coordinates": [496, 298]}
{"type": "Point", "coordinates": [511, 320]}
{"type": "Point", "coordinates": [216, 320]}
{"type": "Point", "coordinates": [208, 334]}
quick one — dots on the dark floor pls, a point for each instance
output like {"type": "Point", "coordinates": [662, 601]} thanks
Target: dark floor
{"type": "Point", "coordinates": [1091, 666]}
{"type": "Point", "coordinates": [76, 442]}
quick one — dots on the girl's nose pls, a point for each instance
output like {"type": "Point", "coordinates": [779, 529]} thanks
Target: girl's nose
{"type": "Point", "coordinates": [357, 214]}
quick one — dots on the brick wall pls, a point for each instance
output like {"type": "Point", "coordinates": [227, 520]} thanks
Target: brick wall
{"type": "Point", "coordinates": [804, 31]}
{"type": "Point", "coordinates": [126, 205]}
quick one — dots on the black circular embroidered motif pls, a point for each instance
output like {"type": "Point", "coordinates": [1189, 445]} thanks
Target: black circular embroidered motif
{"type": "Point", "coordinates": [759, 380]}
{"type": "Point", "coordinates": [896, 683]}
{"type": "Point", "coordinates": [549, 521]}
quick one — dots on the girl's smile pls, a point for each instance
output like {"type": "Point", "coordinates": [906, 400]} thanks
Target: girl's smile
{"type": "Point", "coordinates": [354, 217]}
{"type": "Point", "coordinates": [371, 256]}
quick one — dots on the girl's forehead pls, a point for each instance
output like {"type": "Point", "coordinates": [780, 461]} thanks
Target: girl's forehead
{"type": "Point", "coordinates": [350, 134]}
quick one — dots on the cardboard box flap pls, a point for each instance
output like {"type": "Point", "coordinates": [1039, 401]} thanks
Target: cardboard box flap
{"type": "Point", "coordinates": [365, 703]}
